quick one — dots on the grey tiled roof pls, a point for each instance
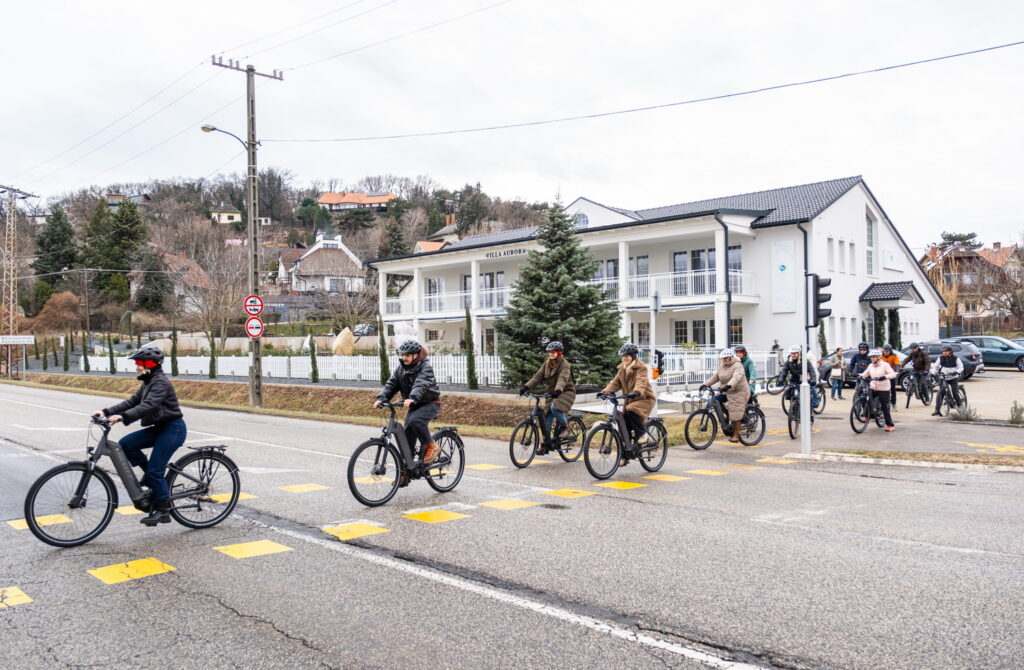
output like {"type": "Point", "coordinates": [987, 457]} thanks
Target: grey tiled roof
{"type": "Point", "coordinates": [889, 290]}
{"type": "Point", "coordinates": [499, 237]}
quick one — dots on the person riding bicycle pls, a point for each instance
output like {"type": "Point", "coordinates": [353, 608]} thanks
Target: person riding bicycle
{"type": "Point", "coordinates": [880, 372]}
{"type": "Point", "coordinates": [155, 406]}
{"type": "Point", "coordinates": [836, 373]}
{"type": "Point", "coordinates": [414, 377]}
{"type": "Point", "coordinates": [631, 377]}
{"type": "Point", "coordinates": [952, 368]}
{"type": "Point", "coordinates": [557, 374]}
{"type": "Point", "coordinates": [894, 362]}
{"type": "Point", "coordinates": [791, 372]}
{"type": "Point", "coordinates": [860, 359]}
{"type": "Point", "coordinates": [920, 362]}
{"type": "Point", "coordinates": [735, 393]}
{"type": "Point", "coordinates": [749, 369]}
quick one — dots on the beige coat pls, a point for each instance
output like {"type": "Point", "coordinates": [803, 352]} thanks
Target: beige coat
{"type": "Point", "coordinates": [736, 397]}
{"type": "Point", "coordinates": [558, 378]}
{"type": "Point", "coordinates": [630, 378]}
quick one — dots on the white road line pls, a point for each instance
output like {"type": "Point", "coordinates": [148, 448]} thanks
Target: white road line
{"type": "Point", "coordinates": [32, 452]}
{"type": "Point", "coordinates": [18, 425]}
{"type": "Point", "coordinates": [514, 600]}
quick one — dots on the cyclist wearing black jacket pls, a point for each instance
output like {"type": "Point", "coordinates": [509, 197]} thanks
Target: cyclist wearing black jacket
{"type": "Point", "coordinates": [860, 361]}
{"type": "Point", "coordinates": [414, 378]}
{"type": "Point", "coordinates": [155, 405]}
{"type": "Point", "coordinates": [791, 372]}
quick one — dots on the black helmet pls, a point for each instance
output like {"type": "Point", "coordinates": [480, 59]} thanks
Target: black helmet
{"type": "Point", "coordinates": [739, 347]}
{"type": "Point", "coordinates": [629, 349]}
{"type": "Point", "coordinates": [862, 345]}
{"type": "Point", "coordinates": [887, 348]}
{"type": "Point", "coordinates": [148, 354]}
{"type": "Point", "coordinates": [915, 345]}
{"type": "Point", "coordinates": [409, 347]}
{"type": "Point", "coordinates": [554, 345]}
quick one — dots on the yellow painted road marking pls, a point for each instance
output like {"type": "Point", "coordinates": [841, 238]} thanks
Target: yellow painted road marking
{"type": "Point", "coordinates": [777, 461]}
{"type": "Point", "coordinates": [508, 503]}
{"type": "Point", "coordinates": [304, 488]}
{"type": "Point", "coordinates": [485, 466]}
{"type": "Point", "coordinates": [743, 467]}
{"type": "Point", "coordinates": [48, 520]}
{"type": "Point", "coordinates": [666, 478]}
{"type": "Point", "coordinates": [436, 516]}
{"type": "Point", "coordinates": [251, 549]}
{"type": "Point", "coordinates": [373, 479]}
{"type": "Point", "coordinates": [11, 596]}
{"type": "Point", "coordinates": [226, 497]}
{"type": "Point", "coordinates": [541, 461]}
{"type": "Point", "coordinates": [350, 531]}
{"type": "Point", "coordinates": [621, 485]}
{"type": "Point", "coordinates": [710, 473]}
{"type": "Point", "coordinates": [127, 510]}
{"type": "Point", "coordinates": [983, 448]}
{"type": "Point", "coordinates": [124, 572]}
{"type": "Point", "coordinates": [569, 493]}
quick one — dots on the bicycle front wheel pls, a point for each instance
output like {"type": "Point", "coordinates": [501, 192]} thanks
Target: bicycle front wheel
{"type": "Point", "coordinates": [374, 472]}
{"type": "Point", "coordinates": [522, 446]}
{"type": "Point", "coordinates": [820, 407]}
{"type": "Point", "coordinates": [926, 393]}
{"type": "Point", "coordinates": [59, 515]}
{"type": "Point", "coordinates": [793, 422]}
{"type": "Point", "coordinates": [753, 427]}
{"type": "Point", "coordinates": [570, 448]}
{"type": "Point", "coordinates": [204, 489]}
{"type": "Point", "coordinates": [858, 416]}
{"type": "Point", "coordinates": [653, 457]}
{"type": "Point", "coordinates": [701, 429]}
{"type": "Point", "coordinates": [450, 463]}
{"type": "Point", "coordinates": [601, 451]}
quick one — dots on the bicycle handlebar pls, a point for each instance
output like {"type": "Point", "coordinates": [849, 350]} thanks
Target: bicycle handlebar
{"type": "Point", "coordinates": [536, 396]}
{"type": "Point", "coordinates": [101, 421]}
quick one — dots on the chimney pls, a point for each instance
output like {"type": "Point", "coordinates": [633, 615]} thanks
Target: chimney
{"type": "Point", "coordinates": [933, 253]}
{"type": "Point", "coordinates": [996, 246]}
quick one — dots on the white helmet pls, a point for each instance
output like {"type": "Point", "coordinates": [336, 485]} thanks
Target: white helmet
{"type": "Point", "coordinates": [875, 352]}
{"type": "Point", "coordinates": [727, 353]}
{"type": "Point", "coordinates": [795, 349]}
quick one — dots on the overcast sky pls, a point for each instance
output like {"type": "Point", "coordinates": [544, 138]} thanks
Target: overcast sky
{"type": "Point", "coordinates": [939, 144]}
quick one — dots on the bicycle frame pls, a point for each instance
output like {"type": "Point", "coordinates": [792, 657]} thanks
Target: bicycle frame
{"type": "Point", "coordinates": [537, 415]}
{"type": "Point", "coordinates": [617, 420]}
{"type": "Point", "coordinates": [396, 429]}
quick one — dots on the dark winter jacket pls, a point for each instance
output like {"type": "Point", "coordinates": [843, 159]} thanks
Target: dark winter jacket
{"type": "Point", "coordinates": [416, 382]}
{"type": "Point", "coordinates": [791, 372]}
{"type": "Point", "coordinates": [154, 403]}
{"type": "Point", "coordinates": [921, 360]}
{"type": "Point", "coordinates": [558, 378]}
{"type": "Point", "coordinates": [859, 362]}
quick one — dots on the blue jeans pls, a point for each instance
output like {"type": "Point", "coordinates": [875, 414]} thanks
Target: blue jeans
{"type": "Point", "coordinates": [837, 387]}
{"type": "Point", "coordinates": [165, 440]}
{"type": "Point", "coordinates": [553, 413]}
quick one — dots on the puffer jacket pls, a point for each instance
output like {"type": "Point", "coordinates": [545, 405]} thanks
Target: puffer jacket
{"type": "Point", "coordinates": [634, 378]}
{"type": "Point", "coordinates": [921, 360]}
{"type": "Point", "coordinates": [732, 375]}
{"type": "Point", "coordinates": [558, 377]}
{"type": "Point", "coordinates": [154, 403]}
{"type": "Point", "coordinates": [880, 370]}
{"type": "Point", "coordinates": [416, 382]}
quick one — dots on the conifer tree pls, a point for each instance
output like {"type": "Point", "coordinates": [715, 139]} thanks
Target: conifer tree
{"type": "Point", "coordinates": [471, 380]}
{"type": "Point", "coordinates": [174, 350]}
{"type": "Point", "coordinates": [46, 359]}
{"type": "Point", "coordinates": [822, 342]}
{"type": "Point", "coordinates": [382, 351]}
{"type": "Point", "coordinates": [85, 351]}
{"type": "Point", "coordinates": [53, 348]}
{"type": "Point", "coordinates": [393, 240]}
{"type": "Point", "coordinates": [879, 333]}
{"type": "Point", "coordinates": [55, 245]}
{"type": "Point", "coordinates": [553, 300]}
{"type": "Point", "coordinates": [68, 344]}
{"type": "Point", "coordinates": [155, 284]}
{"type": "Point", "coordinates": [895, 330]}
{"type": "Point", "coordinates": [110, 354]}
{"type": "Point", "coordinates": [314, 371]}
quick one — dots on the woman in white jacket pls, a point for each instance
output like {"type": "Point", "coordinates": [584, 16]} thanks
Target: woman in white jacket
{"type": "Point", "coordinates": [951, 367]}
{"type": "Point", "coordinates": [880, 373]}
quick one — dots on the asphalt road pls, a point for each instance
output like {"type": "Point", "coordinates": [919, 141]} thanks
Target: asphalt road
{"type": "Point", "coordinates": [769, 563]}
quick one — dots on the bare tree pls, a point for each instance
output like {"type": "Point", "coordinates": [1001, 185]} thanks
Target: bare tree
{"type": "Point", "coordinates": [347, 308]}
{"type": "Point", "coordinates": [1005, 285]}
{"type": "Point", "coordinates": [943, 274]}
{"type": "Point", "coordinates": [215, 297]}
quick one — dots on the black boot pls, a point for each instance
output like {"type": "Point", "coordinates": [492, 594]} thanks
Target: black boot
{"type": "Point", "coordinates": [160, 514]}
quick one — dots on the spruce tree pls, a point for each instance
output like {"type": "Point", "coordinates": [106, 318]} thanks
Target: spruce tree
{"type": "Point", "coordinates": [471, 380]}
{"type": "Point", "coordinates": [382, 351]}
{"type": "Point", "coordinates": [879, 333]}
{"type": "Point", "coordinates": [393, 240]}
{"type": "Point", "coordinates": [314, 371]}
{"type": "Point", "coordinates": [822, 342]}
{"type": "Point", "coordinates": [55, 245]}
{"type": "Point", "coordinates": [553, 300]}
{"type": "Point", "coordinates": [895, 330]}
{"type": "Point", "coordinates": [156, 286]}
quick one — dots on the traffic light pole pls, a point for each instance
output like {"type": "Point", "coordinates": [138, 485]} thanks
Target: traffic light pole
{"type": "Point", "coordinates": [805, 346]}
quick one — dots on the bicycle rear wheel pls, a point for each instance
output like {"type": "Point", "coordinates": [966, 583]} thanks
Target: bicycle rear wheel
{"type": "Point", "coordinates": [701, 429]}
{"type": "Point", "coordinates": [450, 463]}
{"type": "Point", "coordinates": [652, 458]}
{"type": "Point", "coordinates": [773, 387]}
{"type": "Point", "coordinates": [58, 517]}
{"type": "Point", "coordinates": [522, 446]}
{"type": "Point", "coordinates": [571, 447]}
{"type": "Point", "coordinates": [753, 427]}
{"type": "Point", "coordinates": [858, 416]}
{"type": "Point", "coordinates": [820, 407]}
{"type": "Point", "coordinates": [926, 393]}
{"type": "Point", "coordinates": [374, 472]}
{"type": "Point", "coordinates": [793, 421]}
{"type": "Point", "coordinates": [601, 451]}
{"type": "Point", "coordinates": [211, 481]}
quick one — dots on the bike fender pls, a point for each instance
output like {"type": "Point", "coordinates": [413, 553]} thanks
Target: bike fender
{"type": "Point", "coordinates": [97, 471]}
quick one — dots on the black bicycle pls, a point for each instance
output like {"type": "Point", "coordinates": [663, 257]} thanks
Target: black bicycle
{"type": "Point", "coordinates": [74, 502]}
{"type": "Point", "coordinates": [918, 385]}
{"type": "Point", "coordinates": [816, 407]}
{"type": "Point", "coordinates": [791, 401]}
{"type": "Point", "coordinates": [608, 444]}
{"type": "Point", "coordinates": [948, 401]}
{"type": "Point", "coordinates": [530, 437]}
{"type": "Point", "coordinates": [866, 406]}
{"type": "Point", "coordinates": [701, 427]}
{"type": "Point", "coordinates": [382, 465]}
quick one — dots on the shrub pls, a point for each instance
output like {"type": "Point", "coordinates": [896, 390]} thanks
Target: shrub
{"type": "Point", "coordinates": [963, 413]}
{"type": "Point", "coordinates": [1017, 413]}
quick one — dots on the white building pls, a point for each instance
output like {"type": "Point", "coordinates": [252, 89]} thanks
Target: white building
{"type": "Point", "coordinates": [727, 269]}
{"type": "Point", "coordinates": [328, 266]}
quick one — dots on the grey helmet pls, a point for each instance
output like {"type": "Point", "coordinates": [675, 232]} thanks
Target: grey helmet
{"type": "Point", "coordinates": [410, 347]}
{"type": "Point", "coordinates": [554, 345]}
{"type": "Point", "coordinates": [629, 349]}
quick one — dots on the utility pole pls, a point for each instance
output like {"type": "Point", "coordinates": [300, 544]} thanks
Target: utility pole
{"type": "Point", "coordinates": [9, 292]}
{"type": "Point", "coordinates": [252, 200]}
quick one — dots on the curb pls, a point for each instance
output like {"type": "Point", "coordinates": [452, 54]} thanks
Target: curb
{"type": "Point", "coordinates": [850, 458]}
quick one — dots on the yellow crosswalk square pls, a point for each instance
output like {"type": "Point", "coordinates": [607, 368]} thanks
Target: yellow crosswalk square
{"type": "Point", "coordinates": [374, 479]}
{"type": "Point", "coordinates": [48, 520]}
{"type": "Point", "coordinates": [508, 503]}
{"type": "Point", "coordinates": [304, 488]}
{"type": "Point", "coordinates": [124, 572]}
{"type": "Point", "coordinates": [777, 461]}
{"type": "Point", "coordinates": [350, 531]}
{"type": "Point", "coordinates": [251, 549]}
{"type": "Point", "coordinates": [11, 596]}
{"type": "Point", "coordinates": [709, 473]}
{"type": "Point", "coordinates": [569, 493]}
{"type": "Point", "coordinates": [485, 466]}
{"type": "Point", "coordinates": [127, 510]}
{"type": "Point", "coordinates": [622, 486]}
{"type": "Point", "coordinates": [436, 516]}
{"type": "Point", "coordinates": [225, 497]}
{"type": "Point", "coordinates": [743, 467]}
{"type": "Point", "coordinates": [666, 478]}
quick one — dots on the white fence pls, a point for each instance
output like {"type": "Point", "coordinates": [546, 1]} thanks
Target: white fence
{"type": "Point", "coordinates": [681, 367]}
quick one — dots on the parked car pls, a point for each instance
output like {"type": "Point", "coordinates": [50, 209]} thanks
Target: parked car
{"type": "Point", "coordinates": [968, 354]}
{"type": "Point", "coordinates": [850, 376]}
{"type": "Point", "coordinates": [1019, 340]}
{"type": "Point", "coordinates": [996, 350]}
{"type": "Point", "coordinates": [364, 330]}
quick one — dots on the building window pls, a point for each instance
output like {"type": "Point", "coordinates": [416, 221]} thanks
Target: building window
{"type": "Point", "coordinates": [831, 256]}
{"type": "Point", "coordinates": [489, 341]}
{"type": "Point", "coordinates": [842, 256]}
{"type": "Point", "coordinates": [680, 283]}
{"type": "Point", "coordinates": [853, 258]}
{"type": "Point", "coordinates": [734, 264]}
{"type": "Point", "coordinates": [735, 331]}
{"type": "Point", "coordinates": [680, 334]}
{"type": "Point", "coordinates": [639, 267]}
{"type": "Point", "coordinates": [872, 241]}
{"type": "Point", "coordinates": [582, 220]}
{"type": "Point", "coordinates": [643, 334]}
{"type": "Point", "coordinates": [702, 331]}
{"type": "Point", "coordinates": [391, 330]}
{"type": "Point", "coordinates": [462, 339]}
{"type": "Point", "coordinates": [433, 335]}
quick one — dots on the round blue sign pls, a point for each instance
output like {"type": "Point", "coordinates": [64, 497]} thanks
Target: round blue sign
{"type": "Point", "coordinates": [782, 268]}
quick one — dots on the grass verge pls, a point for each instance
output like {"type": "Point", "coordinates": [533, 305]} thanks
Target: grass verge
{"type": "Point", "coordinates": [969, 459]}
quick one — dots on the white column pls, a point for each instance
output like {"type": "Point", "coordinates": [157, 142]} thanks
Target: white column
{"type": "Point", "coordinates": [721, 325]}
{"type": "Point", "coordinates": [624, 323]}
{"type": "Point", "coordinates": [721, 262]}
{"type": "Point", "coordinates": [623, 271]}
{"type": "Point", "coordinates": [382, 292]}
{"type": "Point", "coordinates": [474, 285]}
{"type": "Point", "coordinates": [417, 291]}
{"type": "Point", "coordinates": [477, 335]}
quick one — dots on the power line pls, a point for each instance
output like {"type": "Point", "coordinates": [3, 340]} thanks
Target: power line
{"type": "Point", "coordinates": [397, 37]}
{"type": "Point", "coordinates": [313, 32]}
{"type": "Point", "coordinates": [633, 110]}
{"type": "Point", "coordinates": [284, 30]}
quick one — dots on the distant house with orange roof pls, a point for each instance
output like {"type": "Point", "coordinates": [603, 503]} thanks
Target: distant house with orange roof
{"type": "Point", "coordinates": [339, 202]}
{"type": "Point", "coordinates": [425, 246]}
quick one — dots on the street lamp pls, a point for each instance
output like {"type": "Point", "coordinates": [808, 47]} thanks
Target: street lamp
{"type": "Point", "coordinates": [251, 200]}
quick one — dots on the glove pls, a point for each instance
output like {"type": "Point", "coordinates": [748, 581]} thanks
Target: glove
{"type": "Point", "coordinates": [555, 394]}
{"type": "Point", "coordinates": [726, 388]}
{"type": "Point", "coordinates": [703, 387]}
{"type": "Point", "coordinates": [879, 379]}
{"type": "Point", "coordinates": [523, 390]}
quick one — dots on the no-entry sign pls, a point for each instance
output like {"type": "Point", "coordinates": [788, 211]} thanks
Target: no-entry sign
{"type": "Point", "coordinates": [253, 327]}
{"type": "Point", "coordinates": [253, 305]}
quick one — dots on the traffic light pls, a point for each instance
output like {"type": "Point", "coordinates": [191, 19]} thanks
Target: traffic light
{"type": "Point", "coordinates": [817, 311]}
